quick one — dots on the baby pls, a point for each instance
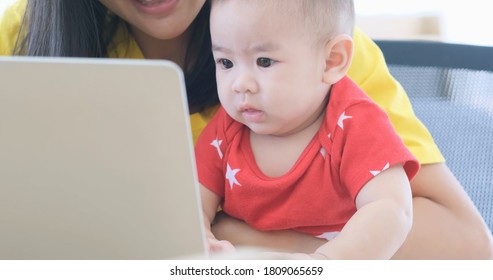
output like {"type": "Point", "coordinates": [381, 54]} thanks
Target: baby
{"type": "Point", "coordinates": [296, 144]}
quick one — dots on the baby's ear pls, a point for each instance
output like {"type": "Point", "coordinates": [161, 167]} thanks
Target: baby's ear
{"type": "Point", "coordinates": [338, 55]}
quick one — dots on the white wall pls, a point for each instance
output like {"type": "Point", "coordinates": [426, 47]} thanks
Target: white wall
{"type": "Point", "coordinates": [469, 22]}
{"type": "Point", "coordinates": [5, 3]}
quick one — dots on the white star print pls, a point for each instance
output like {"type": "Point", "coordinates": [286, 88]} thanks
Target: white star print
{"type": "Point", "coordinates": [217, 144]}
{"type": "Point", "coordinates": [376, 172]}
{"type": "Point", "coordinates": [341, 119]}
{"type": "Point", "coordinates": [323, 152]}
{"type": "Point", "coordinates": [230, 176]}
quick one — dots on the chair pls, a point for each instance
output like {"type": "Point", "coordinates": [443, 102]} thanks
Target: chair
{"type": "Point", "coordinates": [451, 89]}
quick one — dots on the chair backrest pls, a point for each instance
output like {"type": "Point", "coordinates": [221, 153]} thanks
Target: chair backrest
{"type": "Point", "coordinates": [451, 89]}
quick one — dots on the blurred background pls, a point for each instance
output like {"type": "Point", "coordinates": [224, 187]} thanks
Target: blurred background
{"type": "Point", "coordinates": [443, 20]}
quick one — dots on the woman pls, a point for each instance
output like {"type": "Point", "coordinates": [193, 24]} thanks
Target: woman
{"type": "Point", "coordinates": [446, 223]}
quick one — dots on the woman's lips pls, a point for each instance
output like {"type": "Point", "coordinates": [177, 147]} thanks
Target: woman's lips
{"type": "Point", "coordinates": [155, 7]}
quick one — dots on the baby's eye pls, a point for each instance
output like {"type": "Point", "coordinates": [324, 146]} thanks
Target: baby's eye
{"type": "Point", "coordinates": [264, 62]}
{"type": "Point", "coordinates": [225, 63]}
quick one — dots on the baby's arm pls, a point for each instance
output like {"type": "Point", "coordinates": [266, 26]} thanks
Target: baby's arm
{"type": "Point", "coordinates": [210, 202]}
{"type": "Point", "coordinates": [381, 223]}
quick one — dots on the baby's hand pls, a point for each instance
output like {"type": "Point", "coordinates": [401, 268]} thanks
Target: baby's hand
{"type": "Point", "coordinates": [219, 246]}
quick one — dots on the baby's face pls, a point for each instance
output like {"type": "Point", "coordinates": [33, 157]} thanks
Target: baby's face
{"type": "Point", "coordinates": [269, 72]}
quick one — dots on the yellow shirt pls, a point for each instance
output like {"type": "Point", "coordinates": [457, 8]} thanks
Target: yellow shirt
{"type": "Point", "coordinates": [368, 70]}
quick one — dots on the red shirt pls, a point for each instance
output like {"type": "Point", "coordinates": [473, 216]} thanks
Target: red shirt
{"type": "Point", "coordinates": [317, 196]}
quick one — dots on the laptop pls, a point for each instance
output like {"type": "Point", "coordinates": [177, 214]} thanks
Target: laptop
{"type": "Point", "coordinates": [96, 161]}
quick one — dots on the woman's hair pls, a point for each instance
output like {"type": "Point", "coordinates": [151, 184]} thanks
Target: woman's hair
{"type": "Point", "coordinates": [85, 28]}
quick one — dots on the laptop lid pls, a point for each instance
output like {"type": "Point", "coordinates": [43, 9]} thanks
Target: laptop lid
{"type": "Point", "coordinates": [96, 161]}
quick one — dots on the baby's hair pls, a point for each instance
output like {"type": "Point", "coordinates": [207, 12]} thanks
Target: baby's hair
{"type": "Point", "coordinates": [328, 17]}
{"type": "Point", "coordinates": [325, 18]}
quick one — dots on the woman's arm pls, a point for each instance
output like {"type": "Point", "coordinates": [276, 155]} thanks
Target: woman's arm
{"type": "Point", "coordinates": [241, 234]}
{"type": "Point", "coordinates": [446, 225]}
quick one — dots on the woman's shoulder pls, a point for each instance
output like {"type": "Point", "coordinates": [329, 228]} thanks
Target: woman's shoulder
{"type": "Point", "coordinates": [123, 45]}
{"type": "Point", "coordinates": [10, 22]}
{"type": "Point", "coordinates": [367, 58]}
